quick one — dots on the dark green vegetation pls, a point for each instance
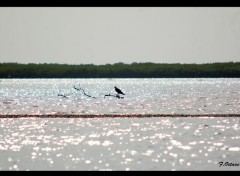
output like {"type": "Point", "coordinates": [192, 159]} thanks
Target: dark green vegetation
{"type": "Point", "coordinates": [121, 70]}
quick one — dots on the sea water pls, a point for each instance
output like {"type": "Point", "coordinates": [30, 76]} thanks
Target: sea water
{"type": "Point", "coordinates": [161, 143]}
{"type": "Point", "coordinates": [144, 96]}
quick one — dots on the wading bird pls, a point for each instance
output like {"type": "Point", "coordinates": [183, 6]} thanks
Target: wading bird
{"type": "Point", "coordinates": [118, 90]}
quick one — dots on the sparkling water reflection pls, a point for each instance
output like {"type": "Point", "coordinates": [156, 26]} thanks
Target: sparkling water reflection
{"type": "Point", "coordinates": [119, 143]}
{"type": "Point", "coordinates": [149, 96]}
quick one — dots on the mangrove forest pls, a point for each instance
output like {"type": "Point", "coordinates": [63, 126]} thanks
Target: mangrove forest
{"type": "Point", "coordinates": [121, 70]}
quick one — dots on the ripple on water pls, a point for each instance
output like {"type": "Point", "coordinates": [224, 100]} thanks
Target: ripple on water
{"type": "Point", "coordinates": [164, 96]}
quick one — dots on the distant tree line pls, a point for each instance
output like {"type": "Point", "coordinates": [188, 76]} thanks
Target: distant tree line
{"type": "Point", "coordinates": [121, 70]}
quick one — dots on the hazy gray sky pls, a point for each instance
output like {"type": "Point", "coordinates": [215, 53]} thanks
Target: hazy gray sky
{"type": "Point", "coordinates": [100, 35]}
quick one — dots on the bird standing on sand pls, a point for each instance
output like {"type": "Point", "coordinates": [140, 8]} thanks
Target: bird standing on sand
{"type": "Point", "coordinates": [118, 90]}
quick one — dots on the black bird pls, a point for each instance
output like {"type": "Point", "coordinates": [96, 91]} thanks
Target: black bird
{"type": "Point", "coordinates": [118, 90]}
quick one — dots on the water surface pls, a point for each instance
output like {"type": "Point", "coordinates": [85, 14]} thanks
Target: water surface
{"type": "Point", "coordinates": [161, 143]}
{"type": "Point", "coordinates": [119, 143]}
{"type": "Point", "coordinates": [149, 96]}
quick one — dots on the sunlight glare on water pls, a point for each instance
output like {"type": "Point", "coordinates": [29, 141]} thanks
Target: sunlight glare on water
{"type": "Point", "coordinates": [178, 143]}
{"type": "Point", "coordinates": [118, 143]}
{"type": "Point", "coordinates": [145, 96]}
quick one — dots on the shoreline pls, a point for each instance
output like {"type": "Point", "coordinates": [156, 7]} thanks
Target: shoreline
{"type": "Point", "coordinates": [113, 115]}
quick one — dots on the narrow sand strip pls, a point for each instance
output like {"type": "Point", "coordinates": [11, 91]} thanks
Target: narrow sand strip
{"type": "Point", "coordinates": [113, 115]}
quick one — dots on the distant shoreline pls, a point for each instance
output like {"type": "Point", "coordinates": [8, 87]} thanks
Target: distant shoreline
{"type": "Point", "coordinates": [121, 70]}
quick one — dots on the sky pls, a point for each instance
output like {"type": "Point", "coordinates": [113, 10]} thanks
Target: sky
{"type": "Point", "coordinates": [108, 35]}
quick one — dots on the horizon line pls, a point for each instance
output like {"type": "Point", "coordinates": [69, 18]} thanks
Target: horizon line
{"type": "Point", "coordinates": [120, 63]}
